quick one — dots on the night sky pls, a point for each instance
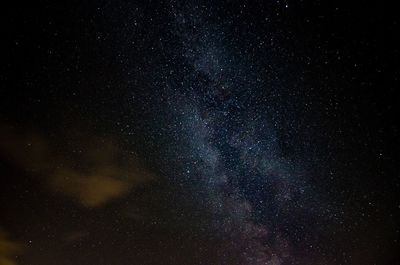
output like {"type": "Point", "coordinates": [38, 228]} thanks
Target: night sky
{"type": "Point", "coordinates": [199, 132]}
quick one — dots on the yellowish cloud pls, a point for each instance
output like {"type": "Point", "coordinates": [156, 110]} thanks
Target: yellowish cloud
{"type": "Point", "coordinates": [90, 170]}
{"type": "Point", "coordinates": [8, 249]}
{"type": "Point", "coordinates": [92, 190]}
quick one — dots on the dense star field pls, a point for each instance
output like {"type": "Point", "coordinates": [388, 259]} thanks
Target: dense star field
{"type": "Point", "coordinates": [199, 132]}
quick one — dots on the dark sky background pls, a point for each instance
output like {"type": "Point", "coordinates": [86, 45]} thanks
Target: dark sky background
{"type": "Point", "coordinates": [199, 132]}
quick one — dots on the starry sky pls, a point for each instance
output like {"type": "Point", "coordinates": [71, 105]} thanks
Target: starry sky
{"type": "Point", "coordinates": [199, 132]}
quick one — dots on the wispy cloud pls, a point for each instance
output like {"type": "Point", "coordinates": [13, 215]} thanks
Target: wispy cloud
{"type": "Point", "coordinates": [88, 169]}
{"type": "Point", "coordinates": [8, 249]}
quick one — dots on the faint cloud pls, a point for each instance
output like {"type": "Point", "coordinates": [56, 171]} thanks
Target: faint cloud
{"type": "Point", "coordinates": [8, 249]}
{"type": "Point", "coordinates": [88, 169]}
{"type": "Point", "coordinates": [90, 190]}
{"type": "Point", "coordinates": [75, 236]}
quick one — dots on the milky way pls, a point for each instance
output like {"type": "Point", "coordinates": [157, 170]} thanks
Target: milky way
{"type": "Point", "coordinates": [198, 132]}
{"type": "Point", "coordinates": [234, 164]}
